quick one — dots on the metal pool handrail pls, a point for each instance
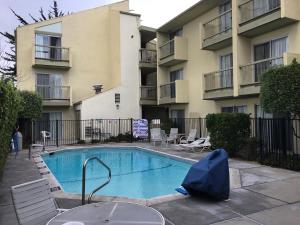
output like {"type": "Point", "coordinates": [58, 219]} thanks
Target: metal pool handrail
{"type": "Point", "coordinates": [83, 179]}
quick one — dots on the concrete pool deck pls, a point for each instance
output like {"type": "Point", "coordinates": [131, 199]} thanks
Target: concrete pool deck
{"type": "Point", "coordinates": [260, 195]}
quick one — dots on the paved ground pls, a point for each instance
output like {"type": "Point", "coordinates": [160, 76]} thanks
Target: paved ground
{"type": "Point", "coordinates": [17, 171]}
{"type": "Point", "coordinates": [259, 195]}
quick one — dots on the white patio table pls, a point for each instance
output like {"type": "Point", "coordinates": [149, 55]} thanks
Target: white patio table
{"type": "Point", "coordinates": [112, 213]}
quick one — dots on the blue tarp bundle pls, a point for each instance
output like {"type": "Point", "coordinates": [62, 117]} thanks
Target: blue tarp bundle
{"type": "Point", "coordinates": [209, 176]}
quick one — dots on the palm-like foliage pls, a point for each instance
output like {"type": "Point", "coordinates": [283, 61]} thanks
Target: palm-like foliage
{"type": "Point", "coordinates": [9, 57]}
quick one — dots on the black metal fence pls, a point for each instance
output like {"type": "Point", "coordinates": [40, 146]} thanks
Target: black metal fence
{"type": "Point", "coordinates": [68, 132]}
{"type": "Point", "coordinates": [277, 141]}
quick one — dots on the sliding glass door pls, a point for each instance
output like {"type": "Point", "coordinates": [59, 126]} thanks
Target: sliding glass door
{"type": "Point", "coordinates": [49, 86]}
{"type": "Point", "coordinates": [175, 75]}
{"type": "Point", "coordinates": [48, 47]}
{"type": "Point", "coordinates": [261, 7]}
{"type": "Point", "coordinates": [267, 55]}
{"type": "Point", "coordinates": [225, 19]}
{"type": "Point", "coordinates": [226, 71]}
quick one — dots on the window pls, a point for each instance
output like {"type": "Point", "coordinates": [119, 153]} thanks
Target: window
{"type": "Point", "coordinates": [48, 47]}
{"type": "Point", "coordinates": [49, 86]}
{"type": "Point", "coordinates": [117, 98]}
{"type": "Point", "coordinates": [234, 109]}
{"type": "Point", "coordinates": [261, 7]}
{"type": "Point", "coordinates": [175, 75]}
{"type": "Point", "coordinates": [268, 54]}
{"type": "Point", "coordinates": [226, 71]}
{"type": "Point", "coordinates": [177, 117]}
{"type": "Point", "coordinates": [49, 124]}
{"type": "Point", "coordinates": [260, 113]}
{"type": "Point", "coordinates": [177, 113]}
{"type": "Point", "coordinates": [225, 19]}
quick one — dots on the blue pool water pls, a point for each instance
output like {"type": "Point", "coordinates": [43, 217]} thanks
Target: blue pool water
{"type": "Point", "coordinates": [136, 173]}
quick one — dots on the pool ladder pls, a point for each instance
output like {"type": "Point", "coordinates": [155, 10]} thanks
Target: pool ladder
{"type": "Point", "coordinates": [84, 179]}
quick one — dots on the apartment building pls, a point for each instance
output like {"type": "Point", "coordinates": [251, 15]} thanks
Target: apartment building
{"type": "Point", "coordinates": [86, 65]}
{"type": "Point", "coordinates": [211, 56]}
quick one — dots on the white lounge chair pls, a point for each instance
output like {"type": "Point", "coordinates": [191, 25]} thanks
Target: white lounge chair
{"type": "Point", "coordinates": [202, 144]}
{"type": "Point", "coordinates": [190, 138]}
{"type": "Point", "coordinates": [156, 135]}
{"type": "Point", "coordinates": [33, 203]}
{"type": "Point", "coordinates": [173, 135]}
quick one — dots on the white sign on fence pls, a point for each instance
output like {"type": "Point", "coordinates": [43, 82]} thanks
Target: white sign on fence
{"type": "Point", "coordinates": [140, 128]}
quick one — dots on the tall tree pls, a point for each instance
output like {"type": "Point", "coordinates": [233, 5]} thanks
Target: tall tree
{"type": "Point", "coordinates": [8, 65]}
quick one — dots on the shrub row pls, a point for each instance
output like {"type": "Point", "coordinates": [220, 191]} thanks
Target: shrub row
{"type": "Point", "coordinates": [14, 104]}
{"type": "Point", "coordinates": [9, 109]}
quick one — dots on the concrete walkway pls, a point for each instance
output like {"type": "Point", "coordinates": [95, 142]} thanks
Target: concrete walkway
{"type": "Point", "coordinates": [259, 195]}
{"type": "Point", "coordinates": [16, 171]}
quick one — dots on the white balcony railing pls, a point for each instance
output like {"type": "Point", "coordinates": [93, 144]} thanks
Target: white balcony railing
{"type": "Point", "coordinates": [53, 92]}
{"type": "Point", "coordinates": [167, 49]}
{"type": "Point", "coordinates": [255, 8]}
{"type": "Point", "coordinates": [252, 73]}
{"type": "Point", "coordinates": [52, 53]}
{"type": "Point", "coordinates": [218, 80]}
{"type": "Point", "coordinates": [218, 25]}
{"type": "Point", "coordinates": [148, 93]}
{"type": "Point", "coordinates": [148, 56]}
{"type": "Point", "coordinates": [168, 90]}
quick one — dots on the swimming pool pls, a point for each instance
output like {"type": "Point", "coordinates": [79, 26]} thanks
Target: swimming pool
{"type": "Point", "coordinates": [136, 173]}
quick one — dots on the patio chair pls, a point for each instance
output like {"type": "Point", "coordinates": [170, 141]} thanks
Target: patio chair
{"type": "Point", "coordinates": [190, 138]}
{"type": "Point", "coordinates": [173, 135]}
{"type": "Point", "coordinates": [202, 144]}
{"type": "Point", "coordinates": [33, 203]}
{"type": "Point", "coordinates": [156, 135]}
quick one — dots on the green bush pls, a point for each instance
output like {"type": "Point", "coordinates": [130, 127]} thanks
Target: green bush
{"type": "Point", "coordinates": [9, 109]}
{"type": "Point", "coordinates": [280, 89]}
{"type": "Point", "coordinates": [230, 131]}
{"type": "Point", "coordinates": [31, 105]}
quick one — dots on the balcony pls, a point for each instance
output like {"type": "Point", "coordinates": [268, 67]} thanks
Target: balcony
{"type": "Point", "coordinates": [174, 92]}
{"type": "Point", "coordinates": [148, 60]}
{"type": "Point", "coordinates": [51, 57]}
{"type": "Point", "coordinates": [262, 16]}
{"type": "Point", "coordinates": [251, 75]}
{"type": "Point", "coordinates": [218, 32]}
{"type": "Point", "coordinates": [54, 95]}
{"type": "Point", "coordinates": [148, 95]}
{"type": "Point", "coordinates": [173, 52]}
{"type": "Point", "coordinates": [218, 85]}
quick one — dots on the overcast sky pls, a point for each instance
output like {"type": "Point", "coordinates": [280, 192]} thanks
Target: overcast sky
{"type": "Point", "coordinates": [154, 12]}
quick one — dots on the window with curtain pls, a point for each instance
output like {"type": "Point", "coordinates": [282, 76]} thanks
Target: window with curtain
{"type": "Point", "coordinates": [268, 54]}
{"type": "Point", "coordinates": [175, 75]}
{"type": "Point", "coordinates": [48, 123]}
{"type": "Point", "coordinates": [260, 113]}
{"type": "Point", "coordinates": [225, 19]}
{"type": "Point", "coordinates": [261, 7]}
{"type": "Point", "coordinates": [49, 86]}
{"type": "Point", "coordinates": [226, 71]}
{"type": "Point", "coordinates": [48, 47]}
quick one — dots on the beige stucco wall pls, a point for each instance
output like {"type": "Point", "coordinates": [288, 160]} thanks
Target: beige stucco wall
{"type": "Point", "coordinates": [103, 106]}
{"type": "Point", "coordinates": [93, 38]}
{"type": "Point", "coordinates": [290, 9]}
